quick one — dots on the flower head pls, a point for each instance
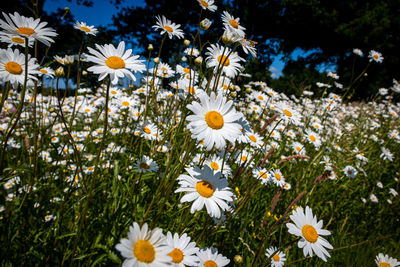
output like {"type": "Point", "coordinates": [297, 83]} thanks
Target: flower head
{"type": "Point", "coordinates": [167, 26]}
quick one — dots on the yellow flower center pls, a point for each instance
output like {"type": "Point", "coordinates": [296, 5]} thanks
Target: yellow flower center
{"type": "Point", "coordinates": [13, 68]}
{"type": "Point", "coordinates": [17, 40]}
{"type": "Point", "coordinates": [214, 165]}
{"type": "Point", "coordinates": [278, 176]}
{"type": "Point", "coordinates": [186, 70]}
{"type": "Point", "coordinates": [44, 71]}
{"type": "Point", "coordinates": [263, 175]}
{"type": "Point", "coordinates": [276, 257]}
{"type": "Point", "coordinates": [85, 29]}
{"type": "Point", "coordinates": [87, 110]}
{"type": "Point", "coordinates": [168, 28]}
{"type": "Point", "coordinates": [253, 138]}
{"type": "Point", "coordinates": [260, 97]}
{"type": "Point", "coordinates": [312, 138]}
{"type": "Point", "coordinates": [298, 148]}
{"type": "Point", "coordinates": [287, 113]}
{"type": "Point", "coordinates": [223, 60]}
{"type": "Point", "coordinates": [146, 130]}
{"type": "Point", "coordinates": [309, 233]}
{"type": "Point", "coordinates": [204, 3]}
{"type": "Point", "coordinates": [125, 103]}
{"type": "Point", "coordinates": [176, 255]}
{"type": "Point", "coordinates": [205, 189]}
{"type": "Point", "coordinates": [115, 63]}
{"type": "Point", "coordinates": [244, 158]}
{"type": "Point", "coordinates": [191, 90]}
{"type": "Point", "coordinates": [210, 263]}
{"type": "Point", "coordinates": [214, 120]}
{"type": "Point", "coordinates": [144, 251]}
{"type": "Point", "coordinates": [26, 31]}
{"type": "Point", "coordinates": [375, 56]}
{"type": "Point", "coordinates": [384, 264]}
{"type": "Point", "coordinates": [144, 165]}
{"type": "Point", "coordinates": [234, 23]}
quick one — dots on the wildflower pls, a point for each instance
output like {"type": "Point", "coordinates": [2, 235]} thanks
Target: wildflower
{"type": "Point", "coordinates": [233, 24]}
{"type": "Point", "coordinates": [230, 37]}
{"type": "Point", "coordinates": [14, 39]}
{"type": "Point", "coordinates": [29, 28]}
{"type": "Point", "coordinates": [289, 114]}
{"type": "Point", "coordinates": [204, 187]}
{"type": "Point", "coordinates": [216, 163]}
{"type": "Point", "coordinates": [144, 247]}
{"type": "Point", "coordinates": [214, 121]}
{"type": "Point", "coordinates": [47, 72]}
{"type": "Point", "coordinates": [191, 51]}
{"type": "Point", "coordinates": [393, 192]}
{"type": "Point", "coordinates": [350, 171]}
{"type": "Point", "coordinates": [379, 184]}
{"type": "Point", "coordinates": [166, 26]}
{"type": "Point", "coordinates": [210, 257]}
{"type": "Point", "coordinates": [386, 261]}
{"type": "Point", "coordinates": [306, 226]}
{"type": "Point", "coordinates": [218, 57]}
{"type": "Point", "coordinates": [114, 61]}
{"type": "Point", "coordinates": [333, 75]}
{"type": "Point", "coordinates": [248, 46]}
{"type": "Point", "coordinates": [358, 52]}
{"type": "Point", "coordinates": [373, 198]}
{"type": "Point", "coordinates": [146, 164]}
{"type": "Point", "coordinates": [49, 217]}
{"type": "Point", "coordinates": [182, 251]}
{"type": "Point", "coordinates": [386, 154]}
{"type": "Point", "coordinates": [12, 67]}
{"type": "Point", "coordinates": [313, 138]}
{"type": "Point", "coordinates": [279, 258]}
{"type": "Point", "coordinates": [208, 4]}
{"type": "Point", "coordinates": [205, 24]}
{"type": "Point", "coordinates": [85, 28]}
{"type": "Point", "coordinates": [375, 56]}
{"type": "Point", "coordinates": [277, 177]}
{"type": "Point", "coordinates": [383, 91]}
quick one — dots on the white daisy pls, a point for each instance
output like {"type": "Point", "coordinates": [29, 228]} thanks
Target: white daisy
{"type": "Point", "coordinates": [210, 258]}
{"type": "Point", "coordinates": [350, 171]}
{"type": "Point", "coordinates": [204, 187]}
{"type": "Point", "coordinates": [146, 164]}
{"type": "Point", "coordinates": [14, 39]}
{"type": "Point", "coordinates": [386, 261]}
{"type": "Point", "coordinates": [28, 27]}
{"type": "Point", "coordinates": [279, 258]}
{"type": "Point", "coordinates": [277, 177]}
{"type": "Point", "coordinates": [114, 61]}
{"type": "Point", "coordinates": [214, 121]}
{"type": "Point", "coordinates": [182, 251]}
{"type": "Point", "coordinates": [144, 247]}
{"type": "Point", "coordinates": [85, 28]}
{"type": "Point", "coordinates": [311, 232]}
{"type": "Point", "coordinates": [233, 23]}
{"type": "Point", "coordinates": [208, 4]}
{"type": "Point", "coordinates": [167, 26]}
{"type": "Point", "coordinates": [375, 56]}
{"type": "Point", "coordinates": [217, 56]}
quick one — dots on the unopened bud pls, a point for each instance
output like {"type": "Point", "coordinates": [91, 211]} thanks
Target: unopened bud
{"type": "Point", "coordinates": [60, 71]}
{"type": "Point", "coordinates": [68, 60]}
{"type": "Point", "coordinates": [150, 47]}
{"type": "Point", "coordinates": [238, 259]}
{"type": "Point", "coordinates": [205, 24]}
{"type": "Point", "coordinates": [156, 60]}
{"type": "Point", "coordinates": [233, 94]}
{"type": "Point", "coordinates": [186, 42]}
{"type": "Point", "coordinates": [230, 37]}
{"type": "Point", "coordinates": [184, 59]}
{"type": "Point", "coordinates": [198, 60]}
{"type": "Point", "coordinates": [84, 73]}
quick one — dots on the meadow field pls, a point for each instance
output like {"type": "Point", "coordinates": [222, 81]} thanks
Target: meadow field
{"type": "Point", "coordinates": [189, 162]}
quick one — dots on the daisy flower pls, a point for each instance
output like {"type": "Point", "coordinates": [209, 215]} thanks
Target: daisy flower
{"type": "Point", "coordinates": [386, 261]}
{"type": "Point", "coordinates": [217, 57]}
{"type": "Point", "coordinates": [166, 26]}
{"type": "Point", "coordinates": [214, 121]}
{"type": "Point", "coordinates": [306, 226]}
{"type": "Point", "coordinates": [85, 28]}
{"type": "Point", "coordinates": [279, 258]}
{"type": "Point", "coordinates": [298, 148]}
{"type": "Point", "coordinates": [215, 163]}
{"type": "Point", "coordinates": [204, 187]}
{"type": "Point", "coordinates": [149, 131]}
{"type": "Point", "coordinates": [144, 247]}
{"type": "Point", "coordinates": [182, 251]}
{"type": "Point", "coordinates": [232, 23]}
{"type": "Point", "coordinates": [358, 52]}
{"type": "Point", "coordinates": [14, 39]}
{"type": "Point", "coordinates": [373, 198]}
{"type": "Point", "coordinates": [114, 61]}
{"type": "Point", "coordinates": [263, 175]}
{"type": "Point", "coordinates": [47, 71]}
{"type": "Point", "coordinates": [313, 138]}
{"type": "Point", "coordinates": [289, 114]}
{"type": "Point", "coordinates": [28, 27]}
{"type": "Point", "coordinates": [350, 171]}
{"type": "Point", "coordinates": [146, 164]}
{"type": "Point", "coordinates": [375, 56]}
{"type": "Point", "coordinates": [191, 51]}
{"type": "Point", "coordinates": [277, 177]}
{"type": "Point", "coordinates": [209, 257]}
{"type": "Point", "coordinates": [208, 4]}
{"type": "Point", "coordinates": [12, 67]}
{"type": "Point", "coordinates": [248, 46]}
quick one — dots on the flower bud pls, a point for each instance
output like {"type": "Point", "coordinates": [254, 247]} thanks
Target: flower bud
{"type": "Point", "coordinates": [186, 42]}
{"type": "Point", "coordinates": [198, 60]}
{"type": "Point", "coordinates": [156, 60]}
{"type": "Point", "coordinates": [238, 259]}
{"type": "Point", "coordinates": [205, 24]}
{"type": "Point", "coordinates": [68, 60]}
{"type": "Point", "coordinates": [60, 72]}
{"type": "Point", "coordinates": [84, 73]}
{"type": "Point", "coordinates": [230, 37]}
{"type": "Point", "coordinates": [150, 47]}
{"type": "Point", "coordinates": [184, 59]}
